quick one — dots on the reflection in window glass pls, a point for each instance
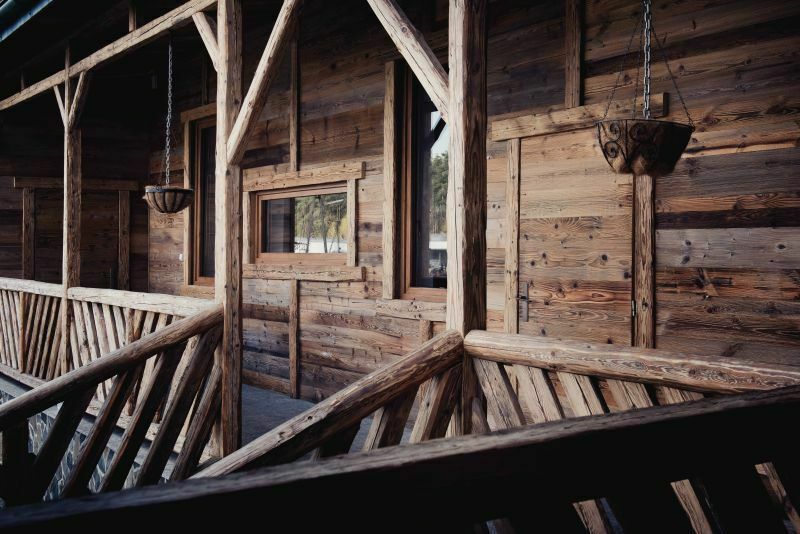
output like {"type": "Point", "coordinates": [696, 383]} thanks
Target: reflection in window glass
{"type": "Point", "coordinates": [315, 224]}
{"type": "Point", "coordinates": [430, 142]}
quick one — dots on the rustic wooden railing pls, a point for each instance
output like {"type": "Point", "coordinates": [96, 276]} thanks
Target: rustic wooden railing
{"type": "Point", "coordinates": [103, 320]}
{"type": "Point", "coordinates": [529, 475]}
{"type": "Point", "coordinates": [183, 380]}
{"type": "Point", "coordinates": [532, 380]}
{"type": "Point", "coordinates": [432, 371]}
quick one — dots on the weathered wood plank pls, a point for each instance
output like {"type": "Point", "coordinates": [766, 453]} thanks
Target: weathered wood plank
{"type": "Point", "coordinates": [265, 179]}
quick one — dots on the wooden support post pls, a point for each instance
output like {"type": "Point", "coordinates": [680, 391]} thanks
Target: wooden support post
{"type": "Point", "coordinates": [643, 262]}
{"type": "Point", "coordinates": [294, 102]}
{"type": "Point", "coordinates": [511, 308]}
{"type": "Point", "coordinates": [390, 179]}
{"type": "Point", "coordinates": [228, 217]}
{"type": "Point", "coordinates": [124, 238]}
{"type": "Point", "coordinates": [573, 49]}
{"type": "Point", "coordinates": [28, 232]}
{"type": "Point", "coordinates": [132, 18]}
{"type": "Point", "coordinates": [352, 223]}
{"type": "Point", "coordinates": [466, 193]}
{"type": "Point", "coordinates": [294, 352]}
{"type": "Point", "coordinates": [188, 213]}
{"type": "Point", "coordinates": [207, 28]}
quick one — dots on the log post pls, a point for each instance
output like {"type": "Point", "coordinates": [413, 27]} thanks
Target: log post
{"type": "Point", "coordinates": [466, 193]}
{"type": "Point", "coordinates": [228, 221]}
{"type": "Point", "coordinates": [643, 262]}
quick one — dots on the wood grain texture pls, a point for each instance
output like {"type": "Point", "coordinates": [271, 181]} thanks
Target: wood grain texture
{"type": "Point", "coordinates": [28, 232]}
{"type": "Point", "coordinates": [294, 349]}
{"type": "Point", "coordinates": [207, 28]}
{"type": "Point", "coordinates": [265, 179]}
{"type": "Point", "coordinates": [697, 372]}
{"type": "Point", "coordinates": [644, 262]}
{"type": "Point", "coordinates": [511, 308]}
{"type": "Point", "coordinates": [124, 240]}
{"type": "Point", "coordinates": [391, 167]}
{"type": "Point", "coordinates": [268, 271]}
{"type": "Point", "coordinates": [466, 205]}
{"type": "Point", "coordinates": [573, 53]}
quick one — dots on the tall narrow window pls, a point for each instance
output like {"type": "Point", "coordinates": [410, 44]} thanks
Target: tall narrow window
{"type": "Point", "coordinates": [303, 225]}
{"type": "Point", "coordinates": [205, 143]}
{"type": "Point", "coordinates": [424, 195]}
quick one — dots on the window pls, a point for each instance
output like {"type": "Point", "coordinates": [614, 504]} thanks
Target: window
{"type": "Point", "coordinates": [204, 181]}
{"type": "Point", "coordinates": [303, 225]}
{"type": "Point", "coordinates": [423, 195]}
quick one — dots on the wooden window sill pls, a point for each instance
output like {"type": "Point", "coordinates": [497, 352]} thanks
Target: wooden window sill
{"type": "Point", "coordinates": [319, 273]}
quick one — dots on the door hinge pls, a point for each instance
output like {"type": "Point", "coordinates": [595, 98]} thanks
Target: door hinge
{"type": "Point", "coordinates": [633, 308]}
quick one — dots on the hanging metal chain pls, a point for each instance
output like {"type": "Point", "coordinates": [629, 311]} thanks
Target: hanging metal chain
{"type": "Point", "coordinates": [647, 29]}
{"type": "Point", "coordinates": [168, 135]}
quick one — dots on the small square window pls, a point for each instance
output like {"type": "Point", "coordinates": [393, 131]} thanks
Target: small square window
{"type": "Point", "coordinates": [305, 225]}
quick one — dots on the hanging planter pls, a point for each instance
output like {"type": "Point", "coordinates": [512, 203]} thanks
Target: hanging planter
{"type": "Point", "coordinates": [166, 198]}
{"type": "Point", "coordinates": [642, 145]}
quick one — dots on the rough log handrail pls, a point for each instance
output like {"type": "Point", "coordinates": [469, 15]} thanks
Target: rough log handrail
{"type": "Point", "coordinates": [470, 478]}
{"type": "Point", "coordinates": [346, 408]}
{"type": "Point", "coordinates": [704, 373]}
{"type": "Point", "coordinates": [139, 37]}
{"type": "Point", "coordinates": [123, 359]}
{"type": "Point", "coordinates": [31, 286]}
{"type": "Point", "coordinates": [155, 302]}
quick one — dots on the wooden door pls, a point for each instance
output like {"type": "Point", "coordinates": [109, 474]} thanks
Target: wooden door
{"type": "Point", "coordinates": [575, 250]}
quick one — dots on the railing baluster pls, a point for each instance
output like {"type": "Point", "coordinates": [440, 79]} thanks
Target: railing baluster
{"type": "Point", "coordinates": [61, 433]}
{"type": "Point", "coordinates": [389, 421]}
{"type": "Point", "coordinates": [436, 406]}
{"type": "Point", "coordinates": [97, 440]}
{"type": "Point", "coordinates": [200, 361]}
{"type": "Point", "coordinates": [134, 435]}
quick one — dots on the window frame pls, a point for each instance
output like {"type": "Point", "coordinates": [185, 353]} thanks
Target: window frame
{"type": "Point", "coordinates": [407, 291]}
{"type": "Point", "coordinates": [295, 258]}
{"type": "Point", "coordinates": [197, 126]}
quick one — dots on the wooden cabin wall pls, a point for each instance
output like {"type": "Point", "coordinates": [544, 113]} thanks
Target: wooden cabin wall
{"type": "Point", "coordinates": [727, 239]}
{"type": "Point", "coordinates": [114, 148]}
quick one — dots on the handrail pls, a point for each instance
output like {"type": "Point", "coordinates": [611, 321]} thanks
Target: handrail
{"type": "Point", "coordinates": [155, 302]}
{"type": "Point", "coordinates": [469, 478]}
{"type": "Point", "coordinates": [31, 286]}
{"type": "Point", "coordinates": [61, 388]}
{"type": "Point", "coordinates": [348, 407]}
{"type": "Point", "coordinates": [655, 366]}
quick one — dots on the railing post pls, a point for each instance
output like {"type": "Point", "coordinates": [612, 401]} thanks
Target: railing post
{"type": "Point", "coordinates": [23, 321]}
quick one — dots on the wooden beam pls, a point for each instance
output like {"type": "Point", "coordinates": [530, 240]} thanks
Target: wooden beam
{"type": "Point", "coordinates": [419, 56]}
{"type": "Point", "coordinates": [228, 221]}
{"type": "Point", "coordinates": [207, 28]}
{"type": "Point", "coordinates": [572, 119]}
{"type": "Point", "coordinates": [573, 51]}
{"type": "Point", "coordinates": [466, 194]}
{"type": "Point", "coordinates": [321, 273]}
{"type": "Point", "coordinates": [430, 479]}
{"type": "Point", "coordinates": [294, 101]}
{"type": "Point", "coordinates": [264, 179]}
{"type": "Point", "coordinates": [466, 186]}
{"type": "Point", "coordinates": [133, 23]}
{"type": "Point", "coordinates": [266, 72]}
{"type": "Point", "coordinates": [391, 154]}
{"type": "Point", "coordinates": [60, 103]}
{"type": "Point", "coordinates": [92, 184]}
{"type": "Point", "coordinates": [154, 302]}
{"type": "Point", "coordinates": [294, 351]}
{"type": "Point", "coordinates": [660, 367]}
{"type": "Point", "coordinates": [188, 213]}
{"type": "Point", "coordinates": [71, 249]}
{"type": "Point", "coordinates": [352, 223]}
{"type": "Point", "coordinates": [146, 34]}
{"type": "Point", "coordinates": [124, 241]}
{"type": "Point", "coordinates": [511, 307]}
{"type": "Point", "coordinates": [644, 262]}
{"type": "Point", "coordinates": [28, 232]}
{"type": "Point", "coordinates": [78, 100]}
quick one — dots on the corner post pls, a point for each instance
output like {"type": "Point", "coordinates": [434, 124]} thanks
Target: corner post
{"type": "Point", "coordinates": [228, 221]}
{"type": "Point", "coordinates": [466, 193]}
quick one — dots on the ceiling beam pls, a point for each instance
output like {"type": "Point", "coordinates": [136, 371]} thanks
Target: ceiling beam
{"type": "Point", "coordinates": [147, 33]}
